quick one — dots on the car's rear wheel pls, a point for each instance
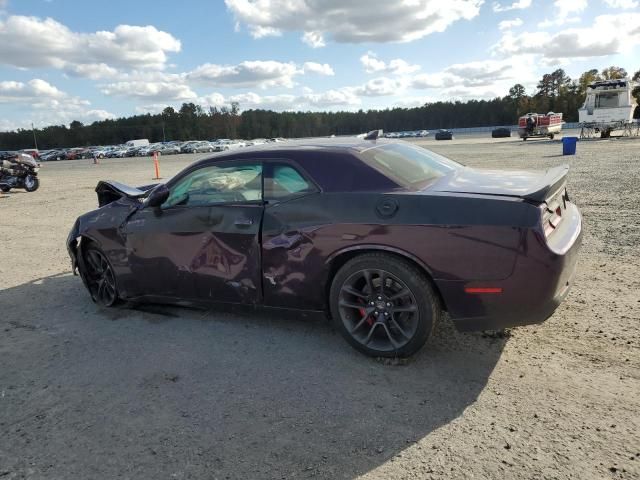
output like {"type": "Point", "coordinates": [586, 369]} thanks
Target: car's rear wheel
{"type": "Point", "coordinates": [383, 305]}
{"type": "Point", "coordinates": [100, 277]}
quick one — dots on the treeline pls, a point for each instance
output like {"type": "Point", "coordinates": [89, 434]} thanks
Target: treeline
{"type": "Point", "coordinates": [555, 92]}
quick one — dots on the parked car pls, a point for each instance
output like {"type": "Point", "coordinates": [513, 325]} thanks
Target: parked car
{"type": "Point", "coordinates": [198, 147]}
{"type": "Point", "coordinates": [500, 132]}
{"type": "Point", "coordinates": [118, 152]}
{"type": "Point", "coordinates": [143, 142]}
{"type": "Point", "coordinates": [165, 150]}
{"type": "Point", "coordinates": [444, 135]}
{"type": "Point", "coordinates": [399, 236]}
{"type": "Point", "coordinates": [146, 151]}
{"type": "Point", "coordinates": [224, 145]}
{"type": "Point", "coordinates": [73, 154]}
{"type": "Point", "coordinates": [53, 155]}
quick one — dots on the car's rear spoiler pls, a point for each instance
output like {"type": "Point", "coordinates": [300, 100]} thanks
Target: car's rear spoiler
{"type": "Point", "coordinates": [109, 191]}
{"type": "Point", "coordinates": [550, 183]}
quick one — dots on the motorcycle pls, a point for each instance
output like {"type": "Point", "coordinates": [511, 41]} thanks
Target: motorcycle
{"type": "Point", "coordinates": [19, 171]}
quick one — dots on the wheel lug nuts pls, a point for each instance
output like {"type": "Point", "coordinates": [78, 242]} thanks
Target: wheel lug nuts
{"type": "Point", "coordinates": [379, 298]}
{"type": "Point", "coordinates": [388, 304]}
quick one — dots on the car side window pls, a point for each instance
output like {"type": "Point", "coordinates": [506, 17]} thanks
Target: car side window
{"type": "Point", "coordinates": [217, 185]}
{"type": "Point", "coordinates": [285, 181]}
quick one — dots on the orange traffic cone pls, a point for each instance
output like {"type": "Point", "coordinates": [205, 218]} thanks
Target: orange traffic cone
{"type": "Point", "coordinates": [156, 165]}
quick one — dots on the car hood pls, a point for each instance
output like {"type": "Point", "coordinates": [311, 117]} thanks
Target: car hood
{"type": "Point", "coordinates": [534, 186]}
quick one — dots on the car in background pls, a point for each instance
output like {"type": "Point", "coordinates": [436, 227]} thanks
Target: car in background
{"type": "Point", "coordinates": [224, 145]}
{"type": "Point", "coordinates": [166, 149]}
{"type": "Point", "coordinates": [53, 155]}
{"type": "Point", "coordinates": [187, 146]}
{"type": "Point", "coordinates": [74, 153]}
{"type": "Point", "coordinates": [501, 132]}
{"type": "Point", "coordinates": [443, 134]}
{"type": "Point", "coordinates": [133, 151]}
{"type": "Point", "coordinates": [118, 152]}
{"type": "Point", "coordinates": [198, 147]}
{"type": "Point", "coordinates": [147, 150]}
{"type": "Point", "coordinates": [100, 152]}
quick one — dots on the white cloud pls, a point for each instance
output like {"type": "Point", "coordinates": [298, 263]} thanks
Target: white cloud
{"type": "Point", "coordinates": [624, 4]}
{"type": "Point", "coordinates": [519, 5]}
{"type": "Point", "coordinates": [478, 76]}
{"type": "Point", "coordinates": [331, 98]}
{"type": "Point", "coordinates": [562, 9]}
{"type": "Point", "coordinates": [260, 32]}
{"type": "Point", "coordinates": [93, 71]}
{"type": "Point", "coordinates": [31, 42]}
{"type": "Point", "coordinates": [608, 35]}
{"type": "Point", "coordinates": [45, 104]}
{"type": "Point", "coordinates": [33, 90]}
{"type": "Point", "coordinates": [149, 90]}
{"type": "Point", "coordinates": [318, 68]}
{"type": "Point", "coordinates": [267, 102]}
{"type": "Point", "coordinates": [509, 24]}
{"type": "Point", "coordinates": [432, 80]}
{"type": "Point", "coordinates": [355, 21]}
{"type": "Point", "coordinates": [343, 97]}
{"type": "Point", "coordinates": [397, 66]}
{"type": "Point", "coordinates": [314, 39]}
{"type": "Point", "coordinates": [382, 86]}
{"type": "Point", "coordinates": [481, 71]}
{"type": "Point", "coordinates": [245, 74]}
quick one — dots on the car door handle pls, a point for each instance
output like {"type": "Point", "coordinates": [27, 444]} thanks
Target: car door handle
{"type": "Point", "coordinates": [243, 222]}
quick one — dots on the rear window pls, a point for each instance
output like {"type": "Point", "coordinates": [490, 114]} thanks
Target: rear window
{"type": "Point", "coordinates": [408, 165]}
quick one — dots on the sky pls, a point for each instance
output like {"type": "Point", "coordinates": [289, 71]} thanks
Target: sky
{"type": "Point", "coordinates": [64, 60]}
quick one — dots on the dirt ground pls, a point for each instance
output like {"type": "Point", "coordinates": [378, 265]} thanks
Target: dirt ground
{"type": "Point", "coordinates": [158, 392]}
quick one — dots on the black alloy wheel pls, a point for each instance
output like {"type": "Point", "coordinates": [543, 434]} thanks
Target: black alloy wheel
{"type": "Point", "coordinates": [383, 305]}
{"type": "Point", "coordinates": [100, 278]}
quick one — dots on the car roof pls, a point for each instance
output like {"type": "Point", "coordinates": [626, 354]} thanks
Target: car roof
{"type": "Point", "coordinates": [345, 144]}
{"type": "Point", "coordinates": [321, 158]}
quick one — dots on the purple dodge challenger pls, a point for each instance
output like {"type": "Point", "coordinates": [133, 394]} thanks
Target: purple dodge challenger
{"type": "Point", "coordinates": [383, 235]}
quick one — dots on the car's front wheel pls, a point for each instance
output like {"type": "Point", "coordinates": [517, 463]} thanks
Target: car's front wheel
{"type": "Point", "coordinates": [99, 276]}
{"type": "Point", "coordinates": [383, 305]}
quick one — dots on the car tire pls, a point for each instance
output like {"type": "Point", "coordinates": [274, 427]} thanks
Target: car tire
{"type": "Point", "coordinates": [383, 305]}
{"type": "Point", "coordinates": [99, 276]}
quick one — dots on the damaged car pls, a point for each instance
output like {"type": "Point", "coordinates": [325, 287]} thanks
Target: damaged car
{"type": "Point", "coordinates": [382, 235]}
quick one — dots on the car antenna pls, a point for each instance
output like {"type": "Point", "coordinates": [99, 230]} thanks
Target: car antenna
{"type": "Point", "coordinates": [373, 135]}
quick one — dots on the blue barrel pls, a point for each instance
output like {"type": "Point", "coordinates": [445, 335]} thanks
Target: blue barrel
{"type": "Point", "coordinates": [569, 145]}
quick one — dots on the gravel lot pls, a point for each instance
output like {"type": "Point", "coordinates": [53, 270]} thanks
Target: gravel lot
{"type": "Point", "coordinates": [173, 393]}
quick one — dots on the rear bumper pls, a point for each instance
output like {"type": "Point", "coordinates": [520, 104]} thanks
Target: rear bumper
{"type": "Point", "coordinates": [542, 277]}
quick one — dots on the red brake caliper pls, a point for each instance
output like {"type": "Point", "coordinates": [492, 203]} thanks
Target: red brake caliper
{"type": "Point", "coordinates": [363, 312]}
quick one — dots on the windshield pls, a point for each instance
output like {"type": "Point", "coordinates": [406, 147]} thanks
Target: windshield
{"type": "Point", "coordinates": [408, 165]}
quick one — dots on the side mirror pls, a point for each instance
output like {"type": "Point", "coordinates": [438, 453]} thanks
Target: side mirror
{"type": "Point", "coordinates": [158, 196]}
